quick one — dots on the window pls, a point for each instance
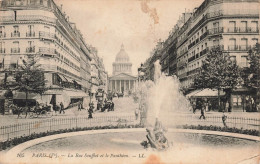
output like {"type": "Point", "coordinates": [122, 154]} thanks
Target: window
{"type": "Point", "coordinates": [2, 31]}
{"type": "Point", "coordinates": [243, 27]}
{"type": "Point", "coordinates": [254, 40]}
{"type": "Point", "coordinates": [254, 26]}
{"type": "Point", "coordinates": [244, 44]}
{"type": "Point", "coordinates": [232, 26]}
{"type": "Point", "coordinates": [30, 32]}
{"type": "Point", "coordinates": [244, 62]}
{"type": "Point", "coordinates": [16, 29]}
{"type": "Point", "coordinates": [2, 47]}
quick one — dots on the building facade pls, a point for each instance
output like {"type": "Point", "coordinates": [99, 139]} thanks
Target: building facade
{"type": "Point", "coordinates": [232, 25]}
{"type": "Point", "coordinates": [122, 80]}
{"type": "Point", "coordinates": [40, 28]}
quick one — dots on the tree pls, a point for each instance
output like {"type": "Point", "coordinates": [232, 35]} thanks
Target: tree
{"type": "Point", "coordinates": [219, 72]}
{"type": "Point", "coordinates": [251, 74]}
{"type": "Point", "coordinates": [30, 78]}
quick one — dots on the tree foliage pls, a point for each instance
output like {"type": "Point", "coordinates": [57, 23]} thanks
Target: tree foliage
{"type": "Point", "coordinates": [29, 77]}
{"type": "Point", "coordinates": [218, 71]}
{"type": "Point", "coordinates": [251, 74]}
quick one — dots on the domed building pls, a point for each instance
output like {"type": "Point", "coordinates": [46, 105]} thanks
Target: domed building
{"type": "Point", "coordinates": [122, 80]}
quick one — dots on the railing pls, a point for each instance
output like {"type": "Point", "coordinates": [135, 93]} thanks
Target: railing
{"type": "Point", "coordinates": [2, 50]}
{"type": "Point", "coordinates": [48, 67]}
{"type": "Point", "coordinates": [36, 17]}
{"type": "Point", "coordinates": [15, 34]}
{"type": "Point", "coordinates": [232, 122]}
{"type": "Point", "coordinates": [216, 30]}
{"type": "Point", "coordinates": [243, 30]}
{"type": "Point", "coordinates": [192, 72]}
{"type": "Point", "coordinates": [46, 50]}
{"type": "Point", "coordinates": [30, 49]}
{"type": "Point", "coordinates": [232, 47]}
{"type": "Point", "coordinates": [244, 47]}
{"type": "Point", "coordinates": [30, 34]}
{"type": "Point", "coordinates": [6, 18]}
{"type": "Point", "coordinates": [2, 35]}
{"type": "Point", "coordinates": [203, 35]}
{"type": "Point", "coordinates": [46, 35]}
{"type": "Point", "coordinates": [26, 129]}
{"type": "Point", "coordinates": [191, 59]}
{"type": "Point", "coordinates": [15, 50]}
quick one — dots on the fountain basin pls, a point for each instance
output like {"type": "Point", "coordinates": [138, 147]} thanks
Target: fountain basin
{"type": "Point", "coordinates": [123, 145]}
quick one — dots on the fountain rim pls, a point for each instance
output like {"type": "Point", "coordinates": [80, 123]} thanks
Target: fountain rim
{"type": "Point", "coordinates": [21, 147]}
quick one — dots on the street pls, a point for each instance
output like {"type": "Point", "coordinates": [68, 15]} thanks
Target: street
{"type": "Point", "coordinates": [123, 106]}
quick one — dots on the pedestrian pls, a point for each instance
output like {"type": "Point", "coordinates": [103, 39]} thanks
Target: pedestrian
{"type": "Point", "coordinates": [194, 107]}
{"type": "Point", "coordinates": [224, 118]}
{"type": "Point", "coordinates": [62, 108]}
{"type": "Point", "coordinates": [90, 110]}
{"type": "Point", "coordinates": [79, 106]}
{"type": "Point", "coordinates": [202, 109]}
{"type": "Point", "coordinates": [136, 113]}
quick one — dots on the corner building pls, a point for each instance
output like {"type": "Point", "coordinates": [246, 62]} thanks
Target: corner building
{"type": "Point", "coordinates": [41, 28]}
{"type": "Point", "coordinates": [230, 24]}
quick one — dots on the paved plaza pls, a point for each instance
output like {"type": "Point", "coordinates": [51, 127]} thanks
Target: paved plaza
{"type": "Point", "coordinates": [123, 107]}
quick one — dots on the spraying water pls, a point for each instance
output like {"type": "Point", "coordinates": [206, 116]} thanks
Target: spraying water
{"type": "Point", "coordinates": [161, 99]}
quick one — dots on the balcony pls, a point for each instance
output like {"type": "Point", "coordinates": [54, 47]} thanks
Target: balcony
{"type": "Point", "coordinates": [244, 48]}
{"type": "Point", "coordinates": [35, 18]}
{"type": "Point", "coordinates": [2, 35]}
{"type": "Point", "coordinates": [30, 49]}
{"type": "Point", "coordinates": [2, 50]}
{"type": "Point", "coordinates": [191, 45]}
{"type": "Point", "coordinates": [45, 50]}
{"type": "Point", "coordinates": [216, 31]}
{"type": "Point", "coordinates": [15, 34]}
{"type": "Point", "coordinates": [192, 72]}
{"type": "Point", "coordinates": [46, 35]}
{"type": "Point", "coordinates": [232, 47]}
{"type": "Point", "coordinates": [191, 59]}
{"type": "Point", "coordinates": [203, 35]}
{"type": "Point", "coordinates": [30, 34]}
{"type": "Point", "coordinates": [203, 52]}
{"type": "Point", "coordinates": [15, 50]}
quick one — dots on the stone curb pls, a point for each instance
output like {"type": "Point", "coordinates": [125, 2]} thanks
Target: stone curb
{"type": "Point", "coordinates": [19, 148]}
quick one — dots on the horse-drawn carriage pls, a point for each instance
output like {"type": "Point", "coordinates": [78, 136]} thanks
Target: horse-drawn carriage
{"type": "Point", "coordinates": [33, 112]}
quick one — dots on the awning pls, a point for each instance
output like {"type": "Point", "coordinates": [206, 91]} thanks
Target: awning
{"type": "Point", "coordinates": [207, 93]}
{"type": "Point", "coordinates": [22, 95]}
{"type": "Point", "coordinates": [76, 94]}
{"type": "Point", "coordinates": [192, 93]}
{"type": "Point", "coordinates": [62, 78]}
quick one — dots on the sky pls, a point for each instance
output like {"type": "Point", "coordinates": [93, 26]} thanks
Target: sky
{"type": "Point", "coordinates": [138, 24]}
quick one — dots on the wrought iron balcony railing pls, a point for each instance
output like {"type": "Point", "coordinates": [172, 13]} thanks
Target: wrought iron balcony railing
{"type": "Point", "coordinates": [15, 50]}
{"type": "Point", "coordinates": [2, 35]}
{"type": "Point", "coordinates": [233, 48]}
{"type": "Point", "coordinates": [30, 49]}
{"type": "Point", "coordinates": [30, 34]}
{"type": "Point", "coordinates": [2, 50]}
{"type": "Point", "coordinates": [15, 34]}
{"type": "Point", "coordinates": [46, 35]}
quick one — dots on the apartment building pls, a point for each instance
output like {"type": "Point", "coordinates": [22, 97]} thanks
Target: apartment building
{"type": "Point", "coordinates": [230, 24]}
{"type": "Point", "coordinates": [40, 28]}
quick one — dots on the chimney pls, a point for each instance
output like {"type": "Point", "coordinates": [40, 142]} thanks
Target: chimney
{"type": "Point", "coordinates": [61, 7]}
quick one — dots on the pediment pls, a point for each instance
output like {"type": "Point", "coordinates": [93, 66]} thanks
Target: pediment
{"type": "Point", "coordinates": [123, 76]}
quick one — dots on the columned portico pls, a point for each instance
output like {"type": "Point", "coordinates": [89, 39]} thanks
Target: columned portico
{"type": "Point", "coordinates": [122, 79]}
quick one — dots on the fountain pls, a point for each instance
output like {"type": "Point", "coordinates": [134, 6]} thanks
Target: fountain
{"type": "Point", "coordinates": [158, 103]}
